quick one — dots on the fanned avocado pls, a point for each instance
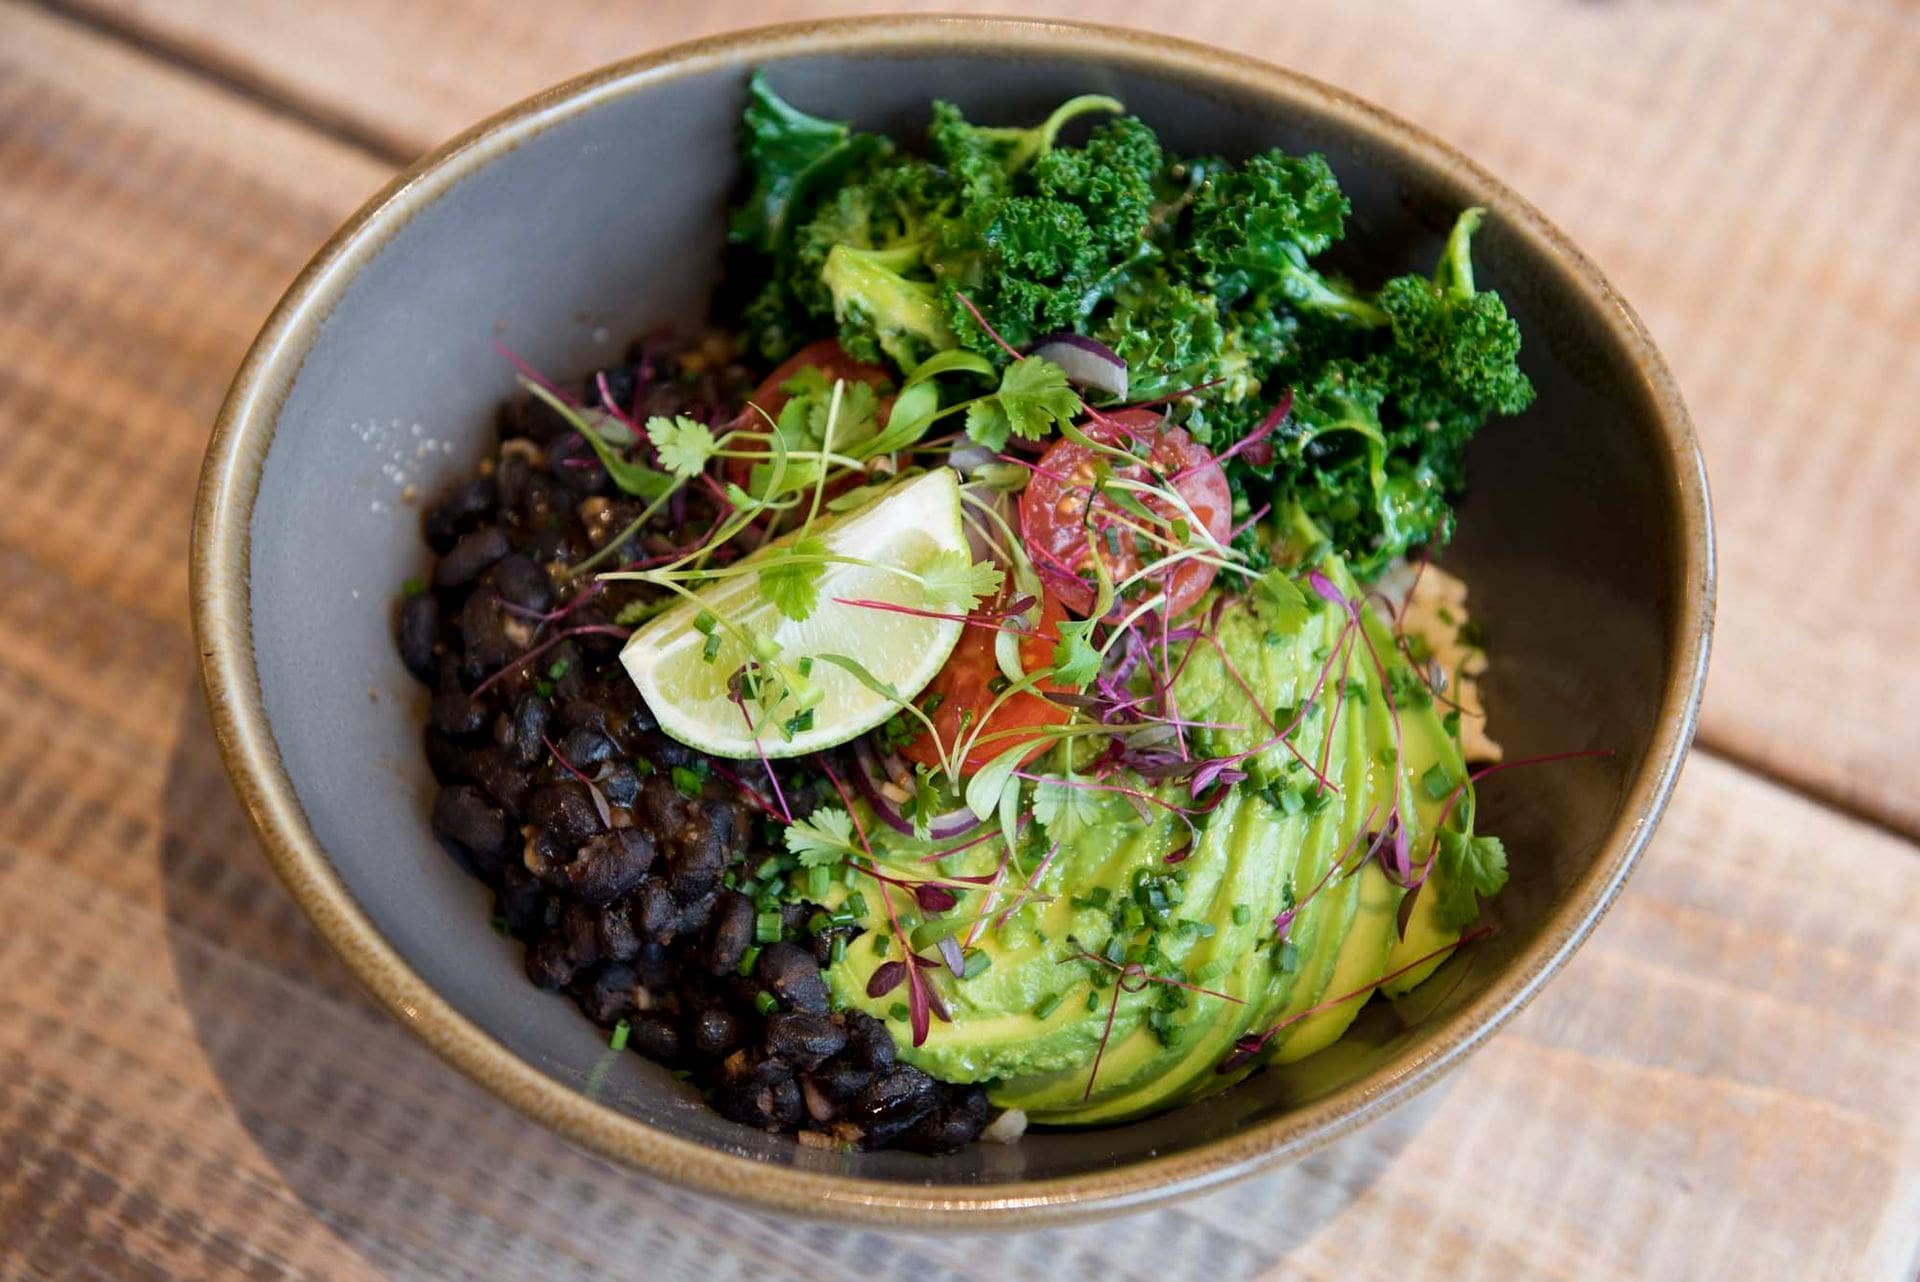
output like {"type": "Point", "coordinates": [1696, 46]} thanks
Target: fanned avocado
{"type": "Point", "coordinates": [1032, 1024]}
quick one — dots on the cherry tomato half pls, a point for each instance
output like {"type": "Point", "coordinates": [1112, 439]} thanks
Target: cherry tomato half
{"type": "Point", "coordinates": [1066, 524]}
{"type": "Point", "coordinates": [965, 687]}
{"type": "Point", "coordinates": [771, 396]}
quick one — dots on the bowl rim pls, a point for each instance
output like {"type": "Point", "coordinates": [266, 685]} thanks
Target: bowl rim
{"type": "Point", "coordinates": [219, 585]}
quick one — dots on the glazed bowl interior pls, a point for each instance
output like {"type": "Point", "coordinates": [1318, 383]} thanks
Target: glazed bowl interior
{"type": "Point", "coordinates": [597, 212]}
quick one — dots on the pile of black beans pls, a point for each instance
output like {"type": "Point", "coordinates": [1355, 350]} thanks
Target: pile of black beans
{"type": "Point", "coordinates": [622, 899]}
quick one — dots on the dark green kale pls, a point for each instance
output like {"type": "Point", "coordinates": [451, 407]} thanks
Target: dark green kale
{"type": "Point", "coordinates": [1197, 272]}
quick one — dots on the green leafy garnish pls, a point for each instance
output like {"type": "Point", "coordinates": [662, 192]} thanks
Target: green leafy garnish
{"type": "Point", "coordinates": [683, 444]}
{"type": "Point", "coordinates": [1469, 867]}
{"type": "Point", "coordinates": [1033, 398]}
{"type": "Point", "coordinates": [822, 839]}
{"type": "Point", "coordinates": [956, 583]}
{"type": "Point", "coordinates": [1075, 660]}
{"type": "Point", "coordinates": [791, 580]}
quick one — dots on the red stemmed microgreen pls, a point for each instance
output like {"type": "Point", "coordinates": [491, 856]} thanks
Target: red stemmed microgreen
{"type": "Point", "coordinates": [1133, 977]}
{"type": "Point", "coordinates": [1246, 1048]}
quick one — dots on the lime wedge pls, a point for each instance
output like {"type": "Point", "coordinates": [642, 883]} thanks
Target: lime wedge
{"type": "Point", "coordinates": [684, 676]}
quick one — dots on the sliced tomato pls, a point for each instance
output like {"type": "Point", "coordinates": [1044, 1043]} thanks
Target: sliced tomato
{"type": "Point", "coordinates": [965, 690]}
{"type": "Point", "coordinates": [1065, 524]}
{"type": "Point", "coordinates": [772, 396]}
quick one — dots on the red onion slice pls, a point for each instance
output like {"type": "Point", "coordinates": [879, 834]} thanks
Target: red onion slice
{"type": "Point", "coordinates": [941, 827]}
{"type": "Point", "coordinates": [1087, 362]}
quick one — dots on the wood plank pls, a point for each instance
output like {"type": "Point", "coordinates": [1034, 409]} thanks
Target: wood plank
{"type": "Point", "coordinates": [1725, 1083]}
{"type": "Point", "coordinates": [1746, 173]}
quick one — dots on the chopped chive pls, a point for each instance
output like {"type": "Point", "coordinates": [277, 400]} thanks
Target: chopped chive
{"type": "Point", "coordinates": [766, 928]}
{"type": "Point", "coordinates": [413, 588]}
{"type": "Point", "coordinates": [857, 905]}
{"type": "Point", "coordinates": [977, 961]}
{"type": "Point", "coordinates": [686, 782]}
{"type": "Point", "coordinates": [1451, 723]}
{"type": "Point", "coordinates": [619, 1039]}
{"type": "Point", "coordinates": [499, 924]}
{"type": "Point", "coordinates": [1213, 969]}
{"type": "Point", "coordinates": [766, 1003]}
{"type": "Point", "coordinates": [1242, 914]}
{"type": "Point", "coordinates": [898, 1011]}
{"type": "Point", "coordinates": [883, 944]}
{"type": "Point", "coordinates": [838, 953]}
{"type": "Point", "coordinates": [710, 649]}
{"type": "Point", "coordinates": [1093, 1001]}
{"type": "Point", "coordinates": [747, 959]}
{"type": "Point", "coordinates": [1436, 782]}
{"type": "Point", "coordinates": [819, 881]}
{"type": "Point", "coordinates": [543, 688]}
{"type": "Point", "coordinates": [1046, 1006]}
{"type": "Point", "coordinates": [558, 669]}
{"type": "Point", "coordinates": [704, 623]}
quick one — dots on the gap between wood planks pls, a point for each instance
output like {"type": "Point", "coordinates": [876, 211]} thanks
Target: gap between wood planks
{"type": "Point", "coordinates": [211, 67]}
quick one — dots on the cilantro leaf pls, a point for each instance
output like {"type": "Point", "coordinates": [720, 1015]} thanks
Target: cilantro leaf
{"type": "Point", "coordinates": [1033, 397]}
{"type": "Point", "coordinates": [857, 418]}
{"type": "Point", "coordinates": [926, 803]}
{"type": "Point", "coordinates": [1065, 811]}
{"type": "Point", "coordinates": [1279, 601]}
{"type": "Point", "coordinates": [1075, 661]}
{"type": "Point", "coordinates": [823, 838]}
{"type": "Point", "coordinates": [791, 580]}
{"type": "Point", "coordinates": [1469, 867]}
{"type": "Point", "coordinates": [684, 444]}
{"type": "Point", "coordinates": [954, 581]}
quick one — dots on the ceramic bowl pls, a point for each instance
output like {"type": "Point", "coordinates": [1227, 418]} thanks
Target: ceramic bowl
{"type": "Point", "coordinates": [584, 215]}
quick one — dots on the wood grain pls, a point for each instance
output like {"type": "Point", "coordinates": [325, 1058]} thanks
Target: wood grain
{"type": "Point", "coordinates": [1746, 173]}
{"type": "Point", "coordinates": [1725, 1083]}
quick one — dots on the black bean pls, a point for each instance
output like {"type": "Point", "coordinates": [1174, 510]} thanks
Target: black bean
{"type": "Point", "coordinates": [549, 961]}
{"type": "Point", "coordinates": [656, 966]}
{"type": "Point", "coordinates": [900, 1093]}
{"type": "Point", "coordinates": [615, 933]}
{"type": "Point", "coordinates": [696, 861]}
{"type": "Point", "coordinates": [471, 555]}
{"type": "Point", "coordinates": [446, 520]}
{"type": "Point", "coordinates": [758, 1091]}
{"type": "Point", "coordinates": [485, 642]}
{"type": "Point", "coordinates": [610, 865]}
{"type": "Point", "coordinates": [869, 1043]}
{"type": "Point", "coordinates": [804, 1039]}
{"type": "Point", "coordinates": [657, 916]}
{"type": "Point", "coordinates": [791, 975]}
{"type": "Point", "coordinates": [416, 629]}
{"type": "Point", "coordinates": [621, 785]}
{"type": "Point", "coordinates": [510, 479]}
{"type": "Point", "coordinates": [464, 817]}
{"type": "Point", "coordinates": [505, 783]}
{"type": "Point", "coordinates": [607, 993]}
{"type": "Point", "coordinates": [453, 711]}
{"type": "Point", "coordinates": [840, 1079]}
{"type": "Point", "coordinates": [519, 579]}
{"type": "Point", "coordinates": [729, 932]}
{"type": "Point", "coordinates": [694, 913]}
{"type": "Point", "coordinates": [654, 1035]}
{"type": "Point", "coordinates": [586, 749]}
{"type": "Point", "coordinates": [619, 380]}
{"type": "Point", "coordinates": [952, 1126]}
{"type": "Point", "coordinates": [532, 418]}
{"type": "Point", "coordinates": [526, 725]}
{"type": "Point", "coordinates": [581, 925]}
{"type": "Point", "coordinates": [716, 1030]}
{"type": "Point", "coordinates": [582, 714]}
{"type": "Point", "coordinates": [566, 810]}
{"type": "Point", "coordinates": [572, 462]}
{"type": "Point", "coordinates": [520, 899]}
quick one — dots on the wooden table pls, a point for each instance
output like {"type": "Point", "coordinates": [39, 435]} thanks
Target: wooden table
{"type": "Point", "coordinates": [1724, 1084]}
